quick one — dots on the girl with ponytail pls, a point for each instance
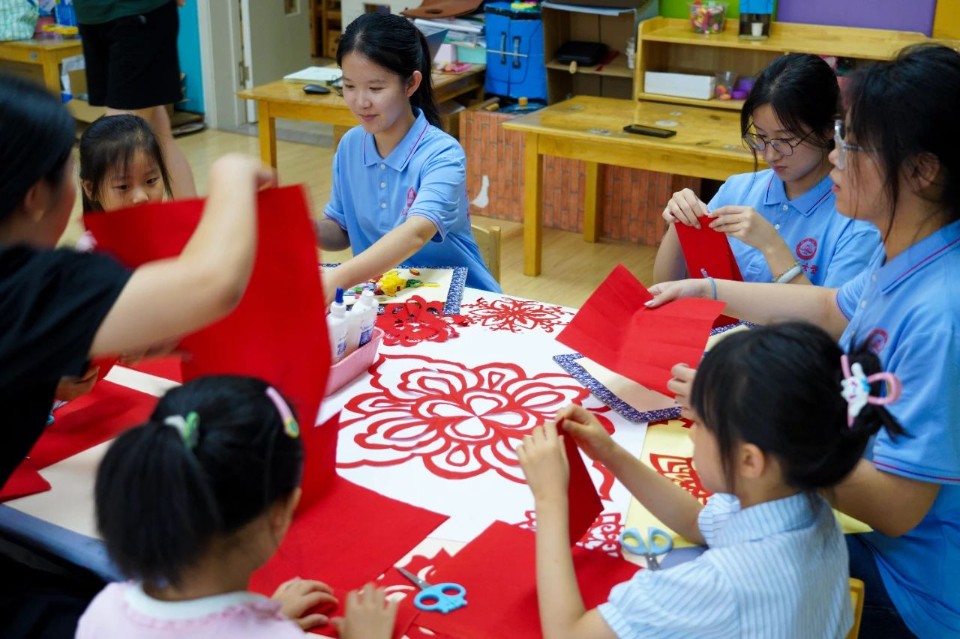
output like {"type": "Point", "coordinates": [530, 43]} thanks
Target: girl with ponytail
{"type": "Point", "coordinates": [191, 503]}
{"type": "Point", "coordinates": [399, 191]}
{"type": "Point", "coordinates": [781, 415]}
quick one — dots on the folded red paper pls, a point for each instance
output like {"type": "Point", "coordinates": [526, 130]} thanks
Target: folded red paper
{"type": "Point", "coordinates": [100, 415]}
{"type": "Point", "coordinates": [707, 252]}
{"type": "Point", "coordinates": [342, 534]}
{"type": "Point", "coordinates": [24, 481]}
{"type": "Point", "coordinates": [585, 504]}
{"type": "Point", "coordinates": [278, 331]}
{"type": "Point", "coordinates": [616, 330]}
{"type": "Point", "coordinates": [498, 570]}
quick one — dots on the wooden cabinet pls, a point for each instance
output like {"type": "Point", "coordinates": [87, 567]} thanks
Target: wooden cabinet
{"type": "Point", "coordinates": [613, 79]}
{"type": "Point", "coordinates": [325, 27]}
{"type": "Point", "coordinates": [669, 44]}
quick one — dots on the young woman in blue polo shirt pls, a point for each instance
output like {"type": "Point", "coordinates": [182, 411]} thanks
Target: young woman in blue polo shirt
{"type": "Point", "coordinates": [897, 166]}
{"type": "Point", "coordinates": [399, 183]}
{"type": "Point", "coordinates": [782, 222]}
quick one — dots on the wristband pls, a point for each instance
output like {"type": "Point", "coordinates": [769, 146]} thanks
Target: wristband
{"type": "Point", "coordinates": [789, 274]}
{"type": "Point", "coordinates": [713, 285]}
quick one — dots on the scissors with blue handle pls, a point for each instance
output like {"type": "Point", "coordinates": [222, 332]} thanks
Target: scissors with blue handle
{"type": "Point", "coordinates": [657, 543]}
{"type": "Point", "coordinates": [445, 597]}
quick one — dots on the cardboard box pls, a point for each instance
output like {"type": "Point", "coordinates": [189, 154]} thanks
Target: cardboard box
{"type": "Point", "coordinates": [681, 85]}
{"type": "Point", "coordinates": [78, 105]}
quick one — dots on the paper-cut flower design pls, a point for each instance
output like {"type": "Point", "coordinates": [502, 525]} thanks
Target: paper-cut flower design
{"type": "Point", "coordinates": [603, 534]}
{"type": "Point", "coordinates": [516, 316]}
{"type": "Point", "coordinates": [416, 320]}
{"type": "Point", "coordinates": [459, 422]}
{"type": "Point", "coordinates": [398, 586]}
{"type": "Point", "coordinates": [680, 471]}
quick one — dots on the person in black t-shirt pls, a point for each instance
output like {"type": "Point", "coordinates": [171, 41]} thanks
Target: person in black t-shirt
{"type": "Point", "coordinates": [59, 308]}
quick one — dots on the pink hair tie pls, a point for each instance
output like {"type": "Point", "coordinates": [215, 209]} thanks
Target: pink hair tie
{"type": "Point", "coordinates": [290, 425]}
{"type": "Point", "coordinates": [856, 388]}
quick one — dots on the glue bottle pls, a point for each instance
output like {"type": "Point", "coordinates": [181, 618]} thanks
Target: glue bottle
{"type": "Point", "coordinates": [367, 306]}
{"type": "Point", "coordinates": [337, 327]}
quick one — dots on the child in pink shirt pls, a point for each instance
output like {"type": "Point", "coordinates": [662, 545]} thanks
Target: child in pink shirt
{"type": "Point", "coordinates": [191, 503]}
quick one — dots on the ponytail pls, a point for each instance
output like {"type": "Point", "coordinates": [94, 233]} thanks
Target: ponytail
{"type": "Point", "coordinates": [215, 455]}
{"type": "Point", "coordinates": [155, 510]}
{"type": "Point", "coordinates": [392, 42]}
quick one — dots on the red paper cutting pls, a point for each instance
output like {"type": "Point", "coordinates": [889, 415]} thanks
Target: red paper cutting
{"type": "Point", "coordinates": [498, 569]}
{"type": "Point", "coordinates": [24, 481]}
{"type": "Point", "coordinates": [417, 320]}
{"type": "Point", "coordinates": [707, 252]}
{"type": "Point", "coordinates": [585, 505]}
{"type": "Point", "coordinates": [616, 330]}
{"type": "Point", "coordinates": [342, 534]}
{"type": "Point", "coordinates": [100, 415]}
{"type": "Point", "coordinates": [278, 332]}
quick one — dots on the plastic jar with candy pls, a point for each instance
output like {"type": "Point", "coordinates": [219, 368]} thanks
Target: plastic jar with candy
{"type": "Point", "coordinates": [707, 16]}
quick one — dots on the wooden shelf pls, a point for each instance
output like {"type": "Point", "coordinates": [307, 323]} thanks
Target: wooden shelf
{"type": "Point", "coordinates": [615, 68]}
{"type": "Point", "coordinates": [730, 105]}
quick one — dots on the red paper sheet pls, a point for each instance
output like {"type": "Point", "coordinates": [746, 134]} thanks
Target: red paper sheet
{"type": "Point", "coordinates": [707, 252]}
{"type": "Point", "coordinates": [615, 329]}
{"type": "Point", "coordinates": [498, 570]}
{"type": "Point", "coordinates": [24, 481]}
{"type": "Point", "coordinates": [342, 534]}
{"type": "Point", "coordinates": [167, 367]}
{"type": "Point", "coordinates": [100, 415]}
{"type": "Point", "coordinates": [278, 332]}
{"type": "Point", "coordinates": [585, 505]}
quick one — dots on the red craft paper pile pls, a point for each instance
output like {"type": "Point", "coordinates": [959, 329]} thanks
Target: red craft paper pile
{"type": "Point", "coordinates": [707, 253]}
{"type": "Point", "coordinates": [342, 534]}
{"type": "Point", "coordinates": [616, 330]}
{"type": "Point", "coordinates": [278, 332]}
{"type": "Point", "coordinates": [24, 481]}
{"type": "Point", "coordinates": [498, 570]}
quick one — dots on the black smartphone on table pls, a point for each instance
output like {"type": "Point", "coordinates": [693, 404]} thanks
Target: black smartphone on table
{"type": "Point", "coordinates": [643, 129]}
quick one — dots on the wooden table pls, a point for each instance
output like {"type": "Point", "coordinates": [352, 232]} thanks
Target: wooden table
{"type": "Point", "coordinates": [47, 53]}
{"type": "Point", "coordinates": [284, 99]}
{"type": "Point", "coordinates": [707, 145]}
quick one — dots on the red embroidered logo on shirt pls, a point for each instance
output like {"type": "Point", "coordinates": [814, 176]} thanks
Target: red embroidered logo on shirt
{"type": "Point", "coordinates": [876, 340]}
{"type": "Point", "coordinates": [806, 248]}
{"type": "Point", "coordinates": [411, 197]}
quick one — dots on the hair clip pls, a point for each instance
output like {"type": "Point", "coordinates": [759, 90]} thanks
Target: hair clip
{"type": "Point", "coordinates": [188, 428]}
{"type": "Point", "coordinates": [856, 388]}
{"type": "Point", "coordinates": [290, 425]}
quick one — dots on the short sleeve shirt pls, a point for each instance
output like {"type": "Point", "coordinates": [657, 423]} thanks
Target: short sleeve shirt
{"type": "Point", "coordinates": [424, 175]}
{"type": "Point", "coordinates": [52, 303]}
{"type": "Point", "coordinates": [830, 247]}
{"type": "Point", "coordinates": [908, 310]}
{"type": "Point", "coordinates": [777, 569]}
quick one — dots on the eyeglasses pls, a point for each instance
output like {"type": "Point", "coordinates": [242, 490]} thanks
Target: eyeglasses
{"type": "Point", "coordinates": [782, 146]}
{"type": "Point", "coordinates": [839, 130]}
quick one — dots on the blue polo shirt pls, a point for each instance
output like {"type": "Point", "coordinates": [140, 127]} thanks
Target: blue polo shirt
{"type": "Point", "coordinates": [424, 175]}
{"type": "Point", "coordinates": [908, 308]}
{"type": "Point", "coordinates": [777, 569]}
{"type": "Point", "coordinates": [830, 247]}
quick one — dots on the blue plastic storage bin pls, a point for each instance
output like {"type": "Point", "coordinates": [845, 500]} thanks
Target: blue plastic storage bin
{"type": "Point", "coordinates": [515, 64]}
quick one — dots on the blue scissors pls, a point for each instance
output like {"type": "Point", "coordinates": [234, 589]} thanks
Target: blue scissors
{"type": "Point", "coordinates": [657, 543]}
{"type": "Point", "coordinates": [445, 597]}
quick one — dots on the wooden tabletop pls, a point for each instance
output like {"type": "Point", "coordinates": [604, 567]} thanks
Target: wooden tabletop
{"type": "Point", "coordinates": [68, 44]}
{"type": "Point", "coordinates": [598, 123]}
{"type": "Point", "coordinates": [286, 92]}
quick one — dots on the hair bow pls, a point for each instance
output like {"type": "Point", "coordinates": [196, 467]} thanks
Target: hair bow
{"type": "Point", "coordinates": [856, 388]}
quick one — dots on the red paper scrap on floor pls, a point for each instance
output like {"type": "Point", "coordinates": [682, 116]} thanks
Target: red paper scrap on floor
{"type": "Point", "coordinates": [278, 332]}
{"type": "Point", "coordinates": [24, 481]}
{"type": "Point", "coordinates": [707, 252]}
{"type": "Point", "coordinates": [498, 570]}
{"type": "Point", "coordinates": [342, 534]}
{"type": "Point", "coordinates": [99, 416]}
{"type": "Point", "coordinates": [616, 330]}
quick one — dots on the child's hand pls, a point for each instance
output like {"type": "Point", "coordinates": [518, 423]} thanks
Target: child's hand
{"type": "Point", "coordinates": [71, 388]}
{"type": "Point", "coordinates": [297, 596]}
{"type": "Point", "coordinates": [369, 615]}
{"type": "Point", "coordinates": [544, 462]}
{"type": "Point", "coordinates": [684, 207]}
{"type": "Point", "coordinates": [589, 434]}
{"type": "Point", "coordinates": [681, 386]}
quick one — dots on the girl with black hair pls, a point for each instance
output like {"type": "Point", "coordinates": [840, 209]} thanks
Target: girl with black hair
{"type": "Point", "coordinates": [399, 191]}
{"type": "Point", "coordinates": [897, 166]}
{"type": "Point", "coordinates": [779, 413]}
{"type": "Point", "coordinates": [191, 503]}
{"type": "Point", "coordinates": [782, 222]}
